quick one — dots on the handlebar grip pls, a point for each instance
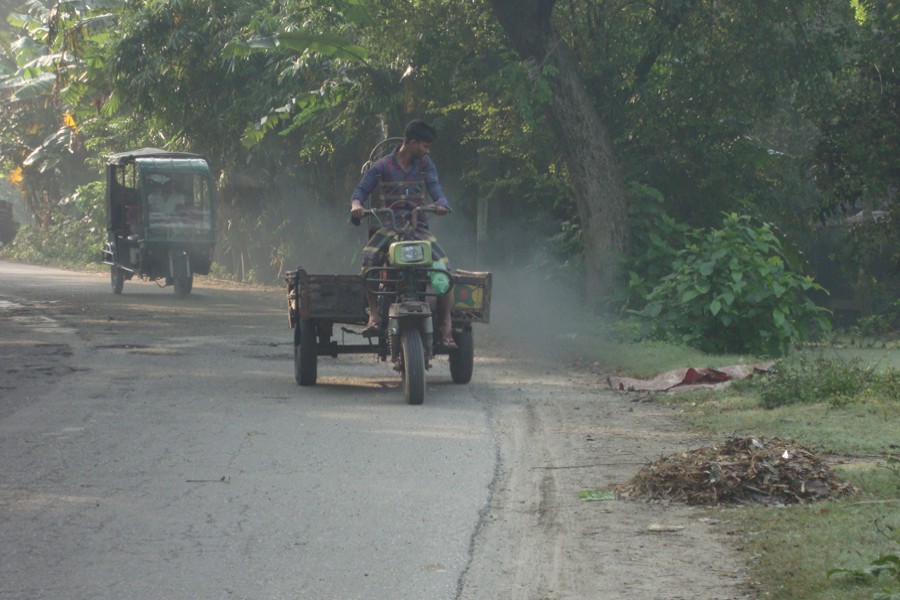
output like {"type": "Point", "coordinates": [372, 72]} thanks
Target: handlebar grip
{"type": "Point", "coordinates": [355, 220]}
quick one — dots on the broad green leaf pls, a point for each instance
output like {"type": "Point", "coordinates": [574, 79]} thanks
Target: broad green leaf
{"type": "Point", "coordinates": [45, 61]}
{"type": "Point", "coordinates": [715, 306]}
{"type": "Point", "coordinates": [689, 295]}
{"type": "Point", "coordinates": [26, 49]}
{"type": "Point", "coordinates": [264, 43]}
{"type": "Point", "coordinates": [18, 20]}
{"type": "Point", "coordinates": [236, 49]}
{"type": "Point", "coordinates": [301, 41]}
{"type": "Point", "coordinates": [35, 87]}
{"type": "Point", "coordinates": [778, 316]}
{"type": "Point", "coordinates": [328, 45]}
{"type": "Point", "coordinates": [653, 309]}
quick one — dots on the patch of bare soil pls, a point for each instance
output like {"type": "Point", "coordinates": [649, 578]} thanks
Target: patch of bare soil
{"type": "Point", "coordinates": [555, 528]}
{"type": "Point", "coordinates": [739, 471]}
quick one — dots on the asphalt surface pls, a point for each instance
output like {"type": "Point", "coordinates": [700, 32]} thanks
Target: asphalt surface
{"type": "Point", "coordinates": [152, 447]}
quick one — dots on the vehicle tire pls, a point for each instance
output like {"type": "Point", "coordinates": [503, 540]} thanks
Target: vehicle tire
{"type": "Point", "coordinates": [182, 276]}
{"type": "Point", "coordinates": [413, 366]}
{"type": "Point", "coordinates": [462, 360]}
{"type": "Point", "coordinates": [305, 353]}
{"type": "Point", "coordinates": [183, 284]}
{"type": "Point", "coordinates": [116, 278]}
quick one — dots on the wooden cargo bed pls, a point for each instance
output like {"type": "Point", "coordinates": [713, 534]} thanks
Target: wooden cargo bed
{"type": "Point", "coordinates": [341, 298]}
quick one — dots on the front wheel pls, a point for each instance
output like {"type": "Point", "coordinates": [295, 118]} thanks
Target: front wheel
{"type": "Point", "coordinates": [305, 353]}
{"type": "Point", "coordinates": [413, 366]}
{"type": "Point", "coordinates": [462, 360]}
{"type": "Point", "coordinates": [116, 278]}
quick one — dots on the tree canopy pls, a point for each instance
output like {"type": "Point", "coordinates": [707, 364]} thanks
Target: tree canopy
{"type": "Point", "coordinates": [558, 119]}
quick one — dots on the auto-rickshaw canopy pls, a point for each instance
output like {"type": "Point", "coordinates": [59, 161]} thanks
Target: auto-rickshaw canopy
{"type": "Point", "coordinates": [123, 158]}
{"type": "Point", "coordinates": [135, 178]}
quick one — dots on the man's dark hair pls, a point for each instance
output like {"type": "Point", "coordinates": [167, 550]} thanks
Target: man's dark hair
{"type": "Point", "coordinates": [418, 129]}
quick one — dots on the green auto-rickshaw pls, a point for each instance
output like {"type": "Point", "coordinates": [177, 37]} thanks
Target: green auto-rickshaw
{"type": "Point", "coordinates": [161, 220]}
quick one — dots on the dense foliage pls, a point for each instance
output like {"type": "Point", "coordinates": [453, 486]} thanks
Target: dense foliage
{"type": "Point", "coordinates": [74, 235]}
{"type": "Point", "coordinates": [733, 291]}
{"type": "Point", "coordinates": [784, 111]}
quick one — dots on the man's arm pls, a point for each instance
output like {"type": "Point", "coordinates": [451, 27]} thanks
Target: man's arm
{"type": "Point", "coordinates": [363, 190]}
{"type": "Point", "coordinates": [365, 186]}
{"type": "Point", "coordinates": [429, 174]}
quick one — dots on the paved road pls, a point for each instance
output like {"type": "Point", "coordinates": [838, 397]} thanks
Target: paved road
{"type": "Point", "coordinates": [152, 447]}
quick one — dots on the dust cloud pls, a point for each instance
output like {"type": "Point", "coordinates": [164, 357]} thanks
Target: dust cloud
{"type": "Point", "coordinates": [320, 237]}
{"type": "Point", "coordinates": [534, 314]}
{"type": "Point", "coordinates": [534, 309]}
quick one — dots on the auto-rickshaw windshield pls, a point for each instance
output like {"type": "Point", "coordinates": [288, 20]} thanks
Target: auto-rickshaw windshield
{"type": "Point", "coordinates": [178, 200]}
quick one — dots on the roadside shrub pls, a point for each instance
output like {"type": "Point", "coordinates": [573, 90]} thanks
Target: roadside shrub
{"type": "Point", "coordinates": [839, 382]}
{"type": "Point", "coordinates": [75, 235]}
{"type": "Point", "coordinates": [732, 291]}
{"type": "Point", "coordinates": [883, 324]}
{"type": "Point", "coordinates": [656, 239]}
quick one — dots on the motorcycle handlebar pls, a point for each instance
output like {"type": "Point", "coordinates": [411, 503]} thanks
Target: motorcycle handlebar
{"type": "Point", "coordinates": [375, 212]}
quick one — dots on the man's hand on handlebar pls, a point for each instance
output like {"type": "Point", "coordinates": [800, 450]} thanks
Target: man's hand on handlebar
{"type": "Point", "coordinates": [357, 210]}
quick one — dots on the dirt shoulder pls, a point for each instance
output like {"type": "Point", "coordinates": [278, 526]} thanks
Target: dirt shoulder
{"type": "Point", "coordinates": [539, 540]}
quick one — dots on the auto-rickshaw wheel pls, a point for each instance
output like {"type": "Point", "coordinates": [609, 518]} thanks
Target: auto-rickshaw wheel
{"type": "Point", "coordinates": [183, 285]}
{"type": "Point", "coordinates": [116, 278]}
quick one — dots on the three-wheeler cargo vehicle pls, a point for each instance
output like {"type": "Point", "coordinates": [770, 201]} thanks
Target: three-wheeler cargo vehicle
{"type": "Point", "coordinates": [161, 220]}
{"type": "Point", "coordinates": [317, 303]}
{"type": "Point", "coordinates": [405, 288]}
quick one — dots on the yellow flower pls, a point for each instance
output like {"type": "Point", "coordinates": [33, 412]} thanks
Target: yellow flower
{"type": "Point", "coordinates": [69, 121]}
{"type": "Point", "coordinates": [16, 176]}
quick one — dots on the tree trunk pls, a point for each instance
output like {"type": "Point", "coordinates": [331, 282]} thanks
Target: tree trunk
{"type": "Point", "coordinates": [593, 170]}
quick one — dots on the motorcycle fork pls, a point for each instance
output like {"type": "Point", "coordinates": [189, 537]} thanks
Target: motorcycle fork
{"type": "Point", "coordinates": [420, 318]}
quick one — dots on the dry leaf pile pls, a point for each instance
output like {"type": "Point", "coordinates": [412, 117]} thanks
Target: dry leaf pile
{"type": "Point", "coordinates": [740, 471]}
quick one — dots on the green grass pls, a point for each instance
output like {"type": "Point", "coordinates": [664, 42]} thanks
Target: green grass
{"type": "Point", "coordinates": [880, 354]}
{"type": "Point", "coordinates": [645, 359]}
{"type": "Point", "coordinates": [854, 429]}
{"type": "Point", "coordinates": [793, 548]}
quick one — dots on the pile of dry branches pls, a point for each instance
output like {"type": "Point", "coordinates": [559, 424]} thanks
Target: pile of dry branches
{"type": "Point", "coordinates": [740, 471]}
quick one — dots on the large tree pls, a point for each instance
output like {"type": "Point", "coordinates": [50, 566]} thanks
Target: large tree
{"type": "Point", "coordinates": [583, 137]}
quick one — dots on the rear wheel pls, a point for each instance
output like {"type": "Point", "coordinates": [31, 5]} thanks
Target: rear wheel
{"type": "Point", "coordinates": [116, 278]}
{"type": "Point", "coordinates": [183, 284]}
{"type": "Point", "coordinates": [413, 366]}
{"type": "Point", "coordinates": [462, 360]}
{"type": "Point", "coordinates": [305, 353]}
{"type": "Point", "coordinates": [182, 278]}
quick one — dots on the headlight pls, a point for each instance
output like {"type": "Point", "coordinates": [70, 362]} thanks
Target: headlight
{"type": "Point", "coordinates": [411, 254]}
